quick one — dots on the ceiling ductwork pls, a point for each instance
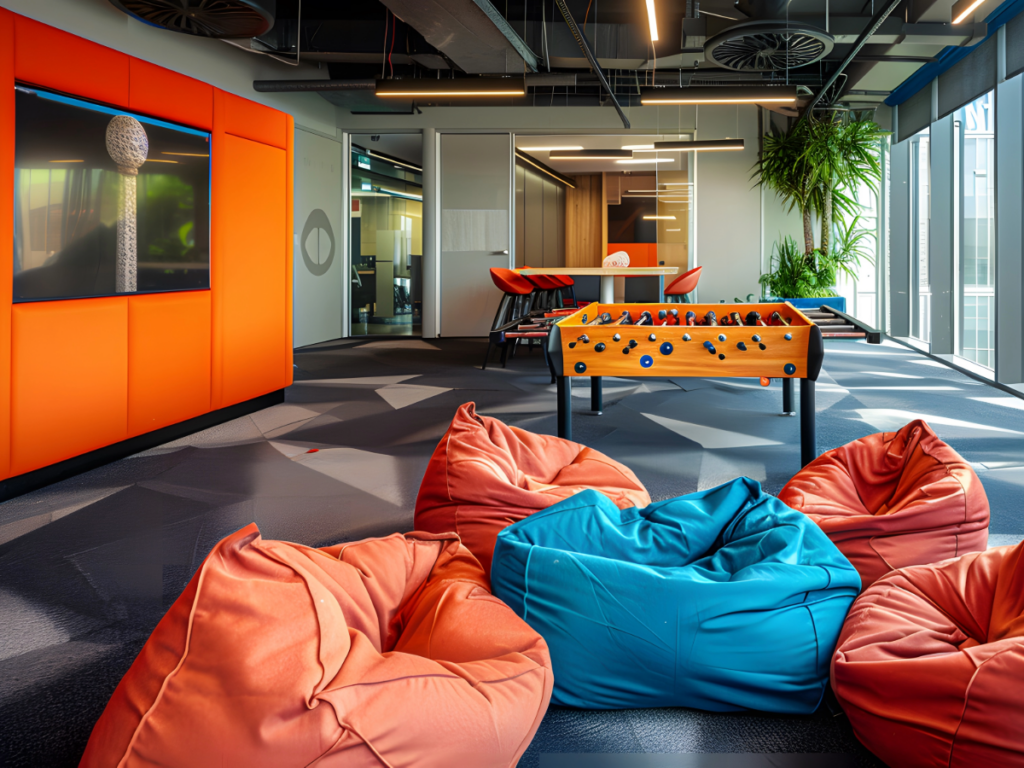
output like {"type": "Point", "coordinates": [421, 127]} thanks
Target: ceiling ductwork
{"type": "Point", "coordinates": [204, 18]}
{"type": "Point", "coordinates": [768, 42]}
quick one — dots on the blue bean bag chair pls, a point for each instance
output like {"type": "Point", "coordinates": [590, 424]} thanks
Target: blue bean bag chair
{"type": "Point", "coordinates": [722, 600]}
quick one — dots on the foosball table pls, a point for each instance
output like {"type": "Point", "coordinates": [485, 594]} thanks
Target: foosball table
{"type": "Point", "coordinates": [770, 341]}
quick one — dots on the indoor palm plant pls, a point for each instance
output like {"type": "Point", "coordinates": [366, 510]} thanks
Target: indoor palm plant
{"type": "Point", "coordinates": [816, 167]}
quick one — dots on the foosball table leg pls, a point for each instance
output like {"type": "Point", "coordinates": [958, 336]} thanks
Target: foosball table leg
{"type": "Point", "coordinates": [596, 395]}
{"type": "Point", "coordinates": [808, 440]}
{"type": "Point", "coordinates": [787, 398]}
{"type": "Point", "coordinates": [564, 388]}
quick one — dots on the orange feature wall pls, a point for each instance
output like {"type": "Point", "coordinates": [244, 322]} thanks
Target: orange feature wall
{"type": "Point", "coordinates": [82, 374]}
{"type": "Point", "coordinates": [640, 254]}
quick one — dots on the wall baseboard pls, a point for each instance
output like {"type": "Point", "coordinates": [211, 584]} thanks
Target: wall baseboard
{"type": "Point", "coordinates": [31, 481]}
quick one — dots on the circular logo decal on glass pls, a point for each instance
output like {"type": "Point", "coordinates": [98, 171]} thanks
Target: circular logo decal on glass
{"type": "Point", "coordinates": [319, 235]}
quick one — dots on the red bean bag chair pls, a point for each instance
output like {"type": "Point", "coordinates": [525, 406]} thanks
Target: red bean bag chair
{"type": "Point", "coordinates": [930, 663]}
{"type": "Point", "coordinates": [893, 499]}
{"type": "Point", "coordinates": [485, 475]}
{"type": "Point", "coordinates": [383, 652]}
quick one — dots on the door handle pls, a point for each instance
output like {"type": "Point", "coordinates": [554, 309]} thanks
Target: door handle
{"type": "Point", "coordinates": [500, 253]}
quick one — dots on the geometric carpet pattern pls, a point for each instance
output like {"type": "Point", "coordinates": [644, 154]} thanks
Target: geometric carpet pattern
{"type": "Point", "coordinates": [89, 565]}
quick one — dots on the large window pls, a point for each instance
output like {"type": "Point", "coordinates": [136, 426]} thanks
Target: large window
{"type": "Point", "coordinates": [106, 202]}
{"type": "Point", "coordinates": [920, 213]}
{"type": "Point", "coordinates": [975, 134]}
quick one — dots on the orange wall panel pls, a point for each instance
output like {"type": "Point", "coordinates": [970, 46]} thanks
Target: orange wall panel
{"type": "Point", "coordinates": [249, 267]}
{"type": "Point", "coordinates": [54, 59]}
{"type": "Point", "coordinates": [168, 359]}
{"type": "Point", "coordinates": [249, 120]}
{"type": "Point", "coordinates": [640, 254]}
{"type": "Point", "coordinates": [6, 230]}
{"type": "Point", "coordinates": [162, 93]}
{"type": "Point", "coordinates": [289, 229]}
{"type": "Point", "coordinates": [69, 392]}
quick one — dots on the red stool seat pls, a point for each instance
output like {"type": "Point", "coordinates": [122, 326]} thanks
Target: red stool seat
{"type": "Point", "coordinates": [510, 281]}
{"type": "Point", "coordinates": [685, 283]}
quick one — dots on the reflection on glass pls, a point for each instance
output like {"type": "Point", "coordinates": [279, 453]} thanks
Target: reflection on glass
{"type": "Point", "coordinates": [675, 202]}
{"type": "Point", "coordinates": [920, 284]}
{"type": "Point", "coordinates": [977, 223]}
{"type": "Point", "coordinates": [387, 245]}
{"type": "Point", "coordinates": [72, 201]}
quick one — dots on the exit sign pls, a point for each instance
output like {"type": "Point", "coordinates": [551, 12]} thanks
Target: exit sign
{"type": "Point", "coordinates": [363, 161]}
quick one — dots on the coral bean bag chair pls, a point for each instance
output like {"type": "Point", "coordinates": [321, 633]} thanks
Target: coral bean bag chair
{"type": "Point", "coordinates": [382, 652]}
{"type": "Point", "coordinates": [485, 475]}
{"type": "Point", "coordinates": [930, 665]}
{"type": "Point", "coordinates": [894, 499]}
{"type": "Point", "coordinates": [721, 600]}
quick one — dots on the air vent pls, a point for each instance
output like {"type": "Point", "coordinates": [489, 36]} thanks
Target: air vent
{"type": "Point", "coordinates": [204, 18]}
{"type": "Point", "coordinates": [769, 41]}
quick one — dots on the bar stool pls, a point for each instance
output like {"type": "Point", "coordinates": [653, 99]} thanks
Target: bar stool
{"type": "Point", "coordinates": [684, 284]}
{"type": "Point", "coordinates": [547, 291]}
{"type": "Point", "coordinates": [567, 282]}
{"type": "Point", "coordinates": [514, 307]}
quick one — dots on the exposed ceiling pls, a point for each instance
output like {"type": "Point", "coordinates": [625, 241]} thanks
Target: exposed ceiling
{"type": "Point", "coordinates": [433, 39]}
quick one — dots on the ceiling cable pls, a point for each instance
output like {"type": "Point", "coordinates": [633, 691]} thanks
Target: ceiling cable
{"type": "Point", "coordinates": [384, 58]}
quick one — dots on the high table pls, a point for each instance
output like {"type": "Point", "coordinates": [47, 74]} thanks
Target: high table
{"type": "Point", "coordinates": [607, 275]}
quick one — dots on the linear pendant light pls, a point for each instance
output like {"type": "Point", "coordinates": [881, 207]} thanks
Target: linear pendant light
{"type": "Point", "coordinates": [652, 21]}
{"type": "Point", "coordinates": [769, 94]}
{"type": "Point", "coordinates": [962, 9]}
{"type": "Point", "coordinates": [719, 145]}
{"type": "Point", "coordinates": [592, 154]}
{"type": "Point", "coordinates": [456, 88]}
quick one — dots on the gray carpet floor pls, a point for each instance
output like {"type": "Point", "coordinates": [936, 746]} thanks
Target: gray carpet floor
{"type": "Point", "coordinates": [88, 566]}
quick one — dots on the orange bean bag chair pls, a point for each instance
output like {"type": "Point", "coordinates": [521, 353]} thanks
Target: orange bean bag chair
{"type": "Point", "coordinates": [893, 499]}
{"type": "Point", "coordinates": [383, 652]}
{"type": "Point", "coordinates": [485, 475]}
{"type": "Point", "coordinates": [930, 663]}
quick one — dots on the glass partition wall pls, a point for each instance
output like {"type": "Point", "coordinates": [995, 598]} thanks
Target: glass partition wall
{"type": "Point", "coordinates": [675, 213]}
{"type": "Point", "coordinates": [920, 213]}
{"type": "Point", "coordinates": [974, 148]}
{"type": "Point", "coordinates": [386, 280]}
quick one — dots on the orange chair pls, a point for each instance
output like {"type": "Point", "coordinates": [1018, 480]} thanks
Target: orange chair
{"type": "Point", "coordinates": [485, 475]}
{"type": "Point", "coordinates": [684, 284]}
{"type": "Point", "coordinates": [387, 651]}
{"type": "Point", "coordinates": [514, 309]}
{"type": "Point", "coordinates": [547, 293]}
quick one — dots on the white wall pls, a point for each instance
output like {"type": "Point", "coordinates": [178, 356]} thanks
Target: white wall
{"type": "Point", "coordinates": [212, 61]}
{"type": "Point", "coordinates": [319, 257]}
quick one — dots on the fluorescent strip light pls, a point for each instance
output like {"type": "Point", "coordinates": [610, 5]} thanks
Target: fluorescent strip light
{"type": "Point", "coordinates": [659, 218]}
{"type": "Point", "coordinates": [393, 160]}
{"type": "Point", "coordinates": [652, 20]}
{"type": "Point", "coordinates": [591, 154]}
{"type": "Point", "coordinates": [67, 161]}
{"type": "Point", "coordinates": [456, 88]}
{"type": "Point", "coordinates": [547, 149]}
{"type": "Point", "coordinates": [963, 9]}
{"type": "Point", "coordinates": [542, 169]}
{"type": "Point", "coordinates": [154, 160]}
{"type": "Point", "coordinates": [673, 230]}
{"type": "Point", "coordinates": [184, 154]}
{"type": "Point", "coordinates": [647, 160]}
{"type": "Point", "coordinates": [720, 145]}
{"type": "Point", "coordinates": [721, 95]}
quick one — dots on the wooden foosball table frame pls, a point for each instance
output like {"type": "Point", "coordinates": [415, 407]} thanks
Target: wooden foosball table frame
{"type": "Point", "coordinates": [577, 349]}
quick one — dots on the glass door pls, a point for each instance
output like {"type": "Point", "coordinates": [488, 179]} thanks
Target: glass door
{"type": "Point", "coordinates": [386, 280]}
{"type": "Point", "coordinates": [920, 213]}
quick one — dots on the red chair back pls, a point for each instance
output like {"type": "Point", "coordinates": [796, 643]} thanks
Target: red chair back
{"type": "Point", "coordinates": [510, 281]}
{"type": "Point", "coordinates": [685, 283]}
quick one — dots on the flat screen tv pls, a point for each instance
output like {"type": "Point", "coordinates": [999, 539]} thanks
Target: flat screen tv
{"type": "Point", "coordinates": [106, 201]}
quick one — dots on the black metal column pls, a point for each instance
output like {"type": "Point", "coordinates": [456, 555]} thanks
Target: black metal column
{"type": "Point", "coordinates": [787, 397]}
{"type": "Point", "coordinates": [808, 440]}
{"type": "Point", "coordinates": [564, 386]}
{"type": "Point", "coordinates": [596, 395]}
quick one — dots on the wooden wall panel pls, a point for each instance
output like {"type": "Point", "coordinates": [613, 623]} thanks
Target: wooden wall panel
{"type": "Point", "coordinates": [168, 359]}
{"type": "Point", "coordinates": [585, 222]}
{"type": "Point", "coordinates": [69, 389]}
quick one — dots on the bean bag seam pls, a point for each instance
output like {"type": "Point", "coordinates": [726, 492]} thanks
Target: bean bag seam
{"type": "Point", "coordinates": [369, 745]}
{"type": "Point", "coordinates": [429, 675]}
{"type": "Point", "coordinates": [967, 701]}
